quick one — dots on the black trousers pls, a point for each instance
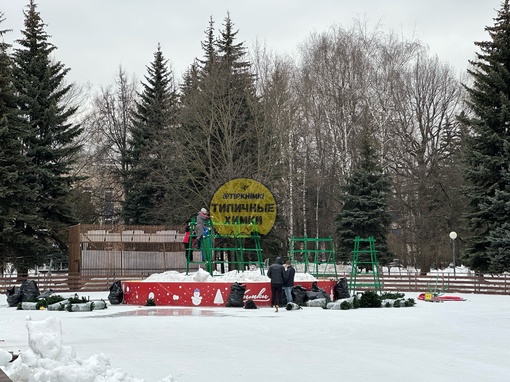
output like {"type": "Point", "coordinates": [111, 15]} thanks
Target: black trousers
{"type": "Point", "coordinates": [188, 254]}
{"type": "Point", "coordinates": [276, 294]}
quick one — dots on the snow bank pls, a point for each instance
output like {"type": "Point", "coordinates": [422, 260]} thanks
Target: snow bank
{"type": "Point", "coordinates": [232, 276]}
{"type": "Point", "coordinates": [48, 360]}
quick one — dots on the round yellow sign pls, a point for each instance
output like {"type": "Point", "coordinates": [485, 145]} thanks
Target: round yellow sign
{"type": "Point", "coordinates": [242, 206]}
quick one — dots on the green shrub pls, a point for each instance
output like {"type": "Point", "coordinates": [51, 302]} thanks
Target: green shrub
{"type": "Point", "coordinates": [77, 300]}
{"type": "Point", "coordinates": [355, 302]}
{"type": "Point", "coordinates": [345, 305]}
{"type": "Point", "coordinates": [387, 305]}
{"type": "Point", "coordinates": [370, 299]}
{"type": "Point", "coordinates": [54, 299]}
{"type": "Point", "coordinates": [392, 296]}
{"type": "Point", "coordinates": [396, 303]}
{"type": "Point", "coordinates": [44, 302]}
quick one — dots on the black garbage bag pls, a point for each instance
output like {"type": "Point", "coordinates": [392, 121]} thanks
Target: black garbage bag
{"type": "Point", "coordinates": [14, 296]}
{"type": "Point", "coordinates": [116, 294]}
{"type": "Point", "coordinates": [316, 292]}
{"type": "Point", "coordinates": [250, 304]}
{"type": "Point", "coordinates": [313, 295]}
{"type": "Point", "coordinates": [29, 291]}
{"type": "Point", "coordinates": [236, 296]}
{"type": "Point", "coordinates": [299, 294]}
{"type": "Point", "coordinates": [341, 289]}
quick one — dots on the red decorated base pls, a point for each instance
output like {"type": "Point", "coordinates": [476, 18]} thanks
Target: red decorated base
{"type": "Point", "coordinates": [206, 294]}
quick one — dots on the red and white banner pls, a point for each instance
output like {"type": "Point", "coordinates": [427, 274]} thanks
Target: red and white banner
{"type": "Point", "coordinates": [207, 294]}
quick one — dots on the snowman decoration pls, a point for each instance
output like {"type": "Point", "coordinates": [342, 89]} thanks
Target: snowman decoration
{"type": "Point", "coordinates": [196, 299]}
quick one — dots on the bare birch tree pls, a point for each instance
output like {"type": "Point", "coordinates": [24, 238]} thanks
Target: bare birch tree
{"type": "Point", "coordinates": [335, 79]}
{"type": "Point", "coordinates": [276, 78]}
{"type": "Point", "coordinates": [108, 127]}
{"type": "Point", "coordinates": [427, 97]}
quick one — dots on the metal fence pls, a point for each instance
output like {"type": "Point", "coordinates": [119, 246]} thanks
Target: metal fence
{"type": "Point", "coordinates": [492, 284]}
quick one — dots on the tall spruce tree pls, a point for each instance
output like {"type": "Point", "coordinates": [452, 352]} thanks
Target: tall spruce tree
{"type": "Point", "coordinates": [196, 127]}
{"type": "Point", "coordinates": [48, 143]}
{"type": "Point", "coordinates": [207, 64]}
{"type": "Point", "coordinates": [12, 190]}
{"type": "Point", "coordinates": [220, 125]}
{"type": "Point", "coordinates": [239, 91]}
{"type": "Point", "coordinates": [365, 196]}
{"type": "Point", "coordinates": [488, 150]}
{"type": "Point", "coordinates": [153, 129]}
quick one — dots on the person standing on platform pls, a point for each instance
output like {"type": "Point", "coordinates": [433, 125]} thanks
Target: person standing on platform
{"type": "Point", "coordinates": [186, 241]}
{"type": "Point", "coordinates": [288, 282]}
{"type": "Point", "coordinates": [276, 273]}
{"type": "Point", "coordinates": [199, 227]}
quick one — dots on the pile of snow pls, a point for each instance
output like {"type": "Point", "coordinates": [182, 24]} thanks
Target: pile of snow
{"type": "Point", "coordinates": [232, 276]}
{"type": "Point", "coordinates": [460, 270]}
{"type": "Point", "coordinates": [48, 360]}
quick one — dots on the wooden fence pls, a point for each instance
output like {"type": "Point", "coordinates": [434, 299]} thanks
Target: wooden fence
{"type": "Point", "coordinates": [96, 250]}
{"type": "Point", "coordinates": [496, 284]}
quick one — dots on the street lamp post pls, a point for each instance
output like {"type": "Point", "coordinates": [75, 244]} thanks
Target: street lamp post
{"type": "Point", "coordinates": [453, 236]}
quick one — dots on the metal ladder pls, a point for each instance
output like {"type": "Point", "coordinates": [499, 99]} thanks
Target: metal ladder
{"type": "Point", "coordinates": [364, 249]}
{"type": "Point", "coordinates": [237, 242]}
{"type": "Point", "coordinates": [310, 253]}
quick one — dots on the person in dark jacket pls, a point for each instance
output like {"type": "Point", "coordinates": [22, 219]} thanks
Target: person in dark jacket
{"type": "Point", "coordinates": [288, 282]}
{"type": "Point", "coordinates": [276, 273]}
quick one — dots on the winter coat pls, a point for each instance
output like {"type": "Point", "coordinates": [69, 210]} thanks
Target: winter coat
{"type": "Point", "coordinates": [185, 239]}
{"type": "Point", "coordinates": [276, 272]}
{"type": "Point", "coordinates": [288, 280]}
{"type": "Point", "coordinates": [199, 227]}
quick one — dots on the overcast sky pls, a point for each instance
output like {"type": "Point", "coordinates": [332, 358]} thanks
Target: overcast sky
{"type": "Point", "coordinates": [94, 37]}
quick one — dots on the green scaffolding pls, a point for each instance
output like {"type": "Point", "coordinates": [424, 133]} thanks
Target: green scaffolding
{"type": "Point", "coordinates": [315, 254]}
{"type": "Point", "coordinates": [238, 250]}
{"type": "Point", "coordinates": [364, 255]}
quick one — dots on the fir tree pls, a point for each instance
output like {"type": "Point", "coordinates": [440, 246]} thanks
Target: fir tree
{"type": "Point", "coordinates": [210, 55]}
{"type": "Point", "coordinates": [153, 129]}
{"type": "Point", "coordinates": [48, 143]}
{"type": "Point", "coordinates": [12, 190]}
{"type": "Point", "coordinates": [239, 92]}
{"type": "Point", "coordinates": [365, 210]}
{"type": "Point", "coordinates": [232, 54]}
{"type": "Point", "coordinates": [488, 151]}
{"type": "Point", "coordinates": [198, 114]}
{"type": "Point", "coordinates": [220, 124]}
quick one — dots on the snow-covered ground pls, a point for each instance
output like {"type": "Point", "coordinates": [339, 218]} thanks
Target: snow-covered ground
{"type": "Point", "coordinates": [450, 341]}
{"type": "Point", "coordinates": [255, 275]}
